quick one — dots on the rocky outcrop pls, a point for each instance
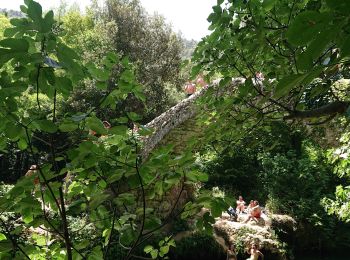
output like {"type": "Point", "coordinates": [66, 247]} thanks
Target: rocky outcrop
{"type": "Point", "coordinates": [242, 236]}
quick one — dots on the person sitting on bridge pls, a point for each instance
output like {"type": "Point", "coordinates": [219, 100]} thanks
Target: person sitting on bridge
{"type": "Point", "coordinates": [200, 82]}
{"type": "Point", "coordinates": [190, 88]}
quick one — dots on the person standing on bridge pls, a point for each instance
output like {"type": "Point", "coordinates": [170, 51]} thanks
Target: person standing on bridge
{"type": "Point", "coordinates": [200, 82]}
{"type": "Point", "coordinates": [190, 88]}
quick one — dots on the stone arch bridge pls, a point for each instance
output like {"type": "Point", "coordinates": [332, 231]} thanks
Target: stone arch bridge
{"type": "Point", "coordinates": [178, 125]}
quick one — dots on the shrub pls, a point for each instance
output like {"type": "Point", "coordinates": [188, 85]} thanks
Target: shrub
{"type": "Point", "coordinates": [197, 246]}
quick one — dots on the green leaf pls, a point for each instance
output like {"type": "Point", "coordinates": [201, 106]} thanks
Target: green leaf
{"type": "Point", "coordinates": [122, 120]}
{"type": "Point", "coordinates": [164, 250]}
{"type": "Point", "coordinates": [342, 6]}
{"type": "Point", "coordinates": [316, 48]}
{"type": "Point", "coordinates": [102, 85]}
{"type": "Point", "coordinates": [23, 9]}
{"type": "Point", "coordinates": [5, 246]}
{"type": "Point", "coordinates": [47, 23]}
{"type": "Point", "coordinates": [20, 45]}
{"type": "Point", "coordinates": [154, 253]}
{"type": "Point", "coordinates": [35, 12]}
{"type": "Point", "coordinates": [197, 176]}
{"type": "Point", "coordinates": [152, 223]}
{"type": "Point", "coordinates": [27, 216]}
{"type": "Point", "coordinates": [49, 75]}
{"type": "Point", "coordinates": [99, 74]}
{"type": "Point", "coordinates": [133, 116]}
{"type": "Point", "coordinates": [63, 85]}
{"type": "Point", "coordinates": [128, 235]}
{"type": "Point", "coordinates": [67, 52]}
{"type": "Point", "coordinates": [10, 32]}
{"type": "Point", "coordinates": [127, 76]}
{"type": "Point", "coordinates": [246, 88]}
{"type": "Point", "coordinates": [83, 244]}
{"type": "Point", "coordinates": [96, 125]}
{"type": "Point", "coordinates": [268, 4]}
{"type": "Point", "coordinates": [13, 131]}
{"type": "Point", "coordinates": [119, 130]}
{"type": "Point", "coordinates": [67, 57]}
{"type": "Point", "coordinates": [46, 126]}
{"type": "Point", "coordinates": [306, 26]}
{"type": "Point", "coordinates": [67, 126]}
{"type": "Point", "coordinates": [216, 210]}
{"type": "Point", "coordinates": [98, 200]}
{"type": "Point", "coordinates": [148, 249]}
{"type": "Point", "coordinates": [96, 254]}
{"type": "Point", "coordinates": [196, 69]}
{"type": "Point", "coordinates": [2, 237]}
{"type": "Point", "coordinates": [115, 177]}
{"type": "Point", "coordinates": [287, 83]}
{"type": "Point", "coordinates": [106, 234]}
{"type": "Point", "coordinates": [217, 9]}
{"type": "Point", "coordinates": [22, 144]}
{"type": "Point", "coordinates": [102, 184]}
{"type": "Point", "coordinates": [125, 198]}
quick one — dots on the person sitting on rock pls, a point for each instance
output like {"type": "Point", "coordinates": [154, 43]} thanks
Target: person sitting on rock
{"type": "Point", "coordinates": [231, 211]}
{"type": "Point", "coordinates": [250, 206]}
{"type": "Point", "coordinates": [240, 205]}
{"type": "Point", "coordinates": [255, 253]}
{"type": "Point", "coordinates": [255, 213]}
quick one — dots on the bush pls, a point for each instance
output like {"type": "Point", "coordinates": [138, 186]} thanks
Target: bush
{"type": "Point", "coordinates": [180, 225]}
{"type": "Point", "coordinates": [197, 246]}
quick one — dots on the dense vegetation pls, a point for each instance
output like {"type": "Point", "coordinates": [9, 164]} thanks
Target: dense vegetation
{"type": "Point", "coordinates": [76, 186]}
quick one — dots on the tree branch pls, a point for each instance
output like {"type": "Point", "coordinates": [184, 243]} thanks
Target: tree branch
{"type": "Point", "coordinates": [337, 107]}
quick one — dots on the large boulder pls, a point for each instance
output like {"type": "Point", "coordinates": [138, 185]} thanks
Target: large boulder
{"type": "Point", "coordinates": [243, 235]}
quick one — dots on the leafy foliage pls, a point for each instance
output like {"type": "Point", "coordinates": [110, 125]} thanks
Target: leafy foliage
{"type": "Point", "coordinates": [298, 46]}
{"type": "Point", "coordinates": [291, 55]}
{"type": "Point", "coordinates": [340, 204]}
{"type": "Point", "coordinates": [288, 173]}
{"type": "Point", "coordinates": [153, 47]}
{"type": "Point", "coordinates": [198, 245]}
{"type": "Point", "coordinates": [84, 170]}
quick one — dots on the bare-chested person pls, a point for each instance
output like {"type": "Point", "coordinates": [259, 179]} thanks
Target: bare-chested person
{"type": "Point", "coordinates": [231, 253]}
{"type": "Point", "coordinates": [255, 253]}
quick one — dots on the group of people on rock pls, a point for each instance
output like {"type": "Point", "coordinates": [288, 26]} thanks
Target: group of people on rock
{"type": "Point", "coordinates": [191, 86]}
{"type": "Point", "coordinates": [253, 210]}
